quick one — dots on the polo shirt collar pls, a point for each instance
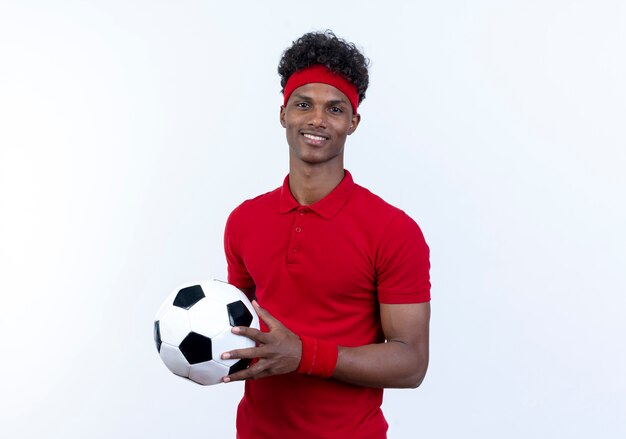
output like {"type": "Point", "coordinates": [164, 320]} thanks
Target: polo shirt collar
{"type": "Point", "coordinates": [327, 206]}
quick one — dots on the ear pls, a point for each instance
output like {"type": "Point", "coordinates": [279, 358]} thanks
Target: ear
{"type": "Point", "coordinates": [354, 123]}
{"type": "Point", "coordinates": [282, 116]}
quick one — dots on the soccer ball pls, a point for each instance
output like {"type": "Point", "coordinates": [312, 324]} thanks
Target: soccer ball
{"type": "Point", "coordinates": [193, 328]}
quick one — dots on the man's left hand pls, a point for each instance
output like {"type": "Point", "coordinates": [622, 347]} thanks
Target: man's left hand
{"type": "Point", "coordinates": [278, 351]}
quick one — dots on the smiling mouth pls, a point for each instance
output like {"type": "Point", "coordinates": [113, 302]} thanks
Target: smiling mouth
{"type": "Point", "coordinates": [314, 137]}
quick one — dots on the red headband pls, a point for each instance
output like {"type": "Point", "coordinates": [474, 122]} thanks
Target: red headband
{"type": "Point", "coordinates": [319, 73]}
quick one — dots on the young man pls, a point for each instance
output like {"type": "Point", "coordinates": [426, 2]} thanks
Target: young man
{"type": "Point", "coordinates": [341, 277]}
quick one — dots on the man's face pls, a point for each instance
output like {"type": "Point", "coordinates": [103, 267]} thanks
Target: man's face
{"type": "Point", "coordinates": [317, 119]}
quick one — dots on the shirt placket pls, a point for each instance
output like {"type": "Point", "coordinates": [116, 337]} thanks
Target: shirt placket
{"type": "Point", "coordinates": [294, 252]}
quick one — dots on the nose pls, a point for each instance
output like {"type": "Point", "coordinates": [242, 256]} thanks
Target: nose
{"type": "Point", "coordinates": [318, 118]}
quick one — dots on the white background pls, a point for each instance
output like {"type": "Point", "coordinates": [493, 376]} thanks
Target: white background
{"type": "Point", "coordinates": [130, 129]}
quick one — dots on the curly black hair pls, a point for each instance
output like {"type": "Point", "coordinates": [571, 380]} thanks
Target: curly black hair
{"type": "Point", "coordinates": [338, 55]}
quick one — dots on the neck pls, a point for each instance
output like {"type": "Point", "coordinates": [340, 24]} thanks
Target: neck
{"type": "Point", "coordinates": [310, 184]}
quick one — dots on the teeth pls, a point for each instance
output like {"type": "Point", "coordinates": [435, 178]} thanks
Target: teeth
{"type": "Point", "coordinates": [313, 137]}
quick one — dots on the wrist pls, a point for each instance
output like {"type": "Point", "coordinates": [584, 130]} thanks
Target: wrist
{"type": "Point", "coordinates": [318, 358]}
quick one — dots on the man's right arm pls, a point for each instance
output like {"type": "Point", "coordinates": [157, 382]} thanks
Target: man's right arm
{"type": "Point", "coordinates": [238, 274]}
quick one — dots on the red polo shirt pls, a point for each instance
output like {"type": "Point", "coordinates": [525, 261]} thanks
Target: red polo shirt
{"type": "Point", "coordinates": [322, 270]}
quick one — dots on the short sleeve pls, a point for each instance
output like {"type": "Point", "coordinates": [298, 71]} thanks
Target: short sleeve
{"type": "Point", "coordinates": [238, 275]}
{"type": "Point", "coordinates": [403, 263]}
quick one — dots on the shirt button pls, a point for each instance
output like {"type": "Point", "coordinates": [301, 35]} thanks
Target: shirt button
{"type": "Point", "coordinates": [302, 212]}
{"type": "Point", "coordinates": [298, 229]}
{"type": "Point", "coordinates": [296, 249]}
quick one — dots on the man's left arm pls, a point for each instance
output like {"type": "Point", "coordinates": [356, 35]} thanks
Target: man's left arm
{"type": "Point", "coordinates": [399, 362]}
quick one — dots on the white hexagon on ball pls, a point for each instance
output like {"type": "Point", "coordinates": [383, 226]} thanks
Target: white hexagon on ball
{"type": "Point", "coordinates": [174, 325]}
{"type": "Point", "coordinates": [222, 291]}
{"type": "Point", "coordinates": [174, 360]}
{"type": "Point", "coordinates": [207, 373]}
{"type": "Point", "coordinates": [208, 317]}
{"type": "Point", "coordinates": [227, 341]}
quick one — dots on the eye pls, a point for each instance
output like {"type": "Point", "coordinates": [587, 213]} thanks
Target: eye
{"type": "Point", "coordinates": [335, 110]}
{"type": "Point", "coordinates": [302, 105]}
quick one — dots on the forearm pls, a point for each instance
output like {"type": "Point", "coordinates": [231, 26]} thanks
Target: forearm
{"type": "Point", "coordinates": [391, 364]}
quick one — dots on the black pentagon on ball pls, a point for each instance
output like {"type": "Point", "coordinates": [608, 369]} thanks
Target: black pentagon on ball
{"type": "Point", "coordinates": [239, 365]}
{"type": "Point", "coordinates": [196, 348]}
{"type": "Point", "coordinates": [239, 314]}
{"type": "Point", "coordinates": [157, 335]}
{"type": "Point", "coordinates": [188, 297]}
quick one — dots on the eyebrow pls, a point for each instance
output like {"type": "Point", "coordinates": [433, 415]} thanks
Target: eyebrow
{"type": "Point", "coordinates": [331, 102]}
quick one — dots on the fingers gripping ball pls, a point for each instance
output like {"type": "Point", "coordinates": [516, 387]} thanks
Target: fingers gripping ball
{"type": "Point", "coordinates": [193, 328]}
